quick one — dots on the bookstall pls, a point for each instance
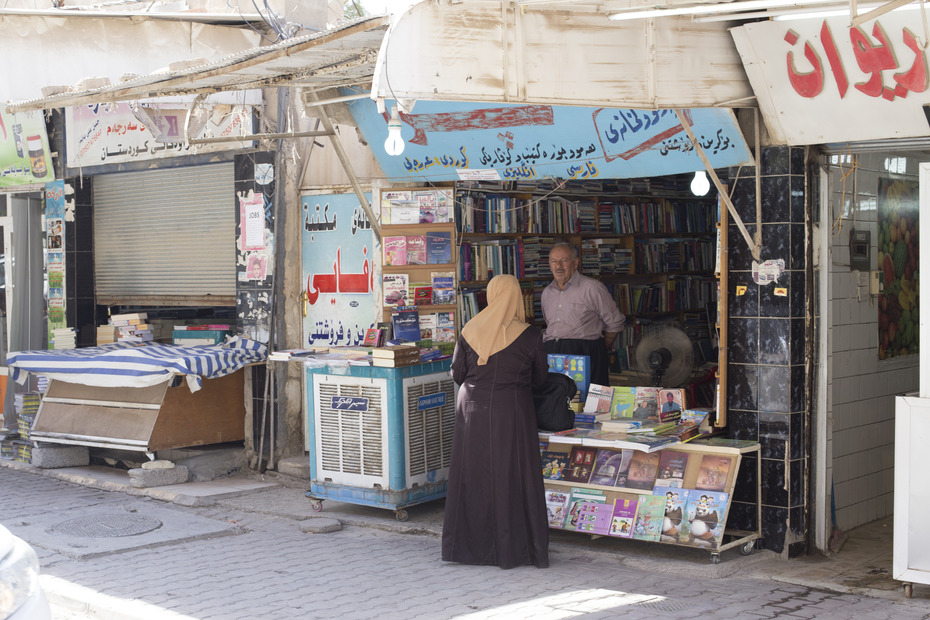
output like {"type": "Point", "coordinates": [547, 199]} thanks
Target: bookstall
{"type": "Point", "coordinates": [678, 494]}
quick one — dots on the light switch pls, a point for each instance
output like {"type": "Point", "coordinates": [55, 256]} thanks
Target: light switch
{"type": "Point", "coordinates": [876, 285]}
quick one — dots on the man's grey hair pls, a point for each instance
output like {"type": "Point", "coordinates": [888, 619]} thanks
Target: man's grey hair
{"type": "Point", "coordinates": [564, 244]}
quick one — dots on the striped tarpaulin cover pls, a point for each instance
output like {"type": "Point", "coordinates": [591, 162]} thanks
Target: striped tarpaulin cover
{"type": "Point", "coordinates": [125, 364]}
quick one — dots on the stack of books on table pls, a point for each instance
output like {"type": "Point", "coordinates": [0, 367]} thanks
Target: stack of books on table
{"type": "Point", "coordinates": [63, 338]}
{"type": "Point", "coordinates": [395, 356]}
{"type": "Point", "coordinates": [107, 334]}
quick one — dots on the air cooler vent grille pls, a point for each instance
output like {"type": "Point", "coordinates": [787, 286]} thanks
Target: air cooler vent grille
{"type": "Point", "coordinates": [351, 441]}
{"type": "Point", "coordinates": [430, 430]}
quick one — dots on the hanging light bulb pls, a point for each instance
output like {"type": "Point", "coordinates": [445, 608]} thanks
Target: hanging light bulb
{"type": "Point", "coordinates": [394, 145]}
{"type": "Point", "coordinates": [699, 184]}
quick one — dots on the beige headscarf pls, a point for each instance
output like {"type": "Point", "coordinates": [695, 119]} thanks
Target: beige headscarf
{"type": "Point", "coordinates": [495, 327]}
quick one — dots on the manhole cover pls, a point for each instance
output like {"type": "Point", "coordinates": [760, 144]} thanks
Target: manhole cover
{"type": "Point", "coordinates": [108, 526]}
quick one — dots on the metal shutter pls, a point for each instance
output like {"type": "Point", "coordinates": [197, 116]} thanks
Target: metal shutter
{"type": "Point", "coordinates": [165, 237]}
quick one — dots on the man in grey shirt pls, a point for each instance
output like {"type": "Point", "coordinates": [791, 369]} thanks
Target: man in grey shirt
{"type": "Point", "coordinates": [581, 316]}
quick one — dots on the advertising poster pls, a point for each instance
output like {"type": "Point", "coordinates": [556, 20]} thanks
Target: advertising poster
{"type": "Point", "coordinates": [449, 141]}
{"type": "Point", "coordinates": [55, 256]}
{"type": "Point", "coordinates": [898, 254]}
{"type": "Point", "coordinates": [338, 265]}
{"type": "Point", "coordinates": [24, 154]}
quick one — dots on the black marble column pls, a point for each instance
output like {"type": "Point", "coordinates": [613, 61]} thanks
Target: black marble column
{"type": "Point", "coordinates": [766, 373]}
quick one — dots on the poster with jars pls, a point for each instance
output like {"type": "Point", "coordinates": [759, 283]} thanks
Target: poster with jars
{"type": "Point", "coordinates": [24, 152]}
{"type": "Point", "coordinates": [898, 253]}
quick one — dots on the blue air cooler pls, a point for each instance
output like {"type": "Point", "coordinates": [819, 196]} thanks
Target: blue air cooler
{"type": "Point", "coordinates": [379, 436]}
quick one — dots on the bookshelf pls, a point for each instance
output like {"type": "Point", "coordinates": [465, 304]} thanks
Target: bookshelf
{"type": "Point", "coordinates": [702, 456]}
{"type": "Point", "coordinates": [418, 247]}
{"type": "Point", "coordinates": [650, 241]}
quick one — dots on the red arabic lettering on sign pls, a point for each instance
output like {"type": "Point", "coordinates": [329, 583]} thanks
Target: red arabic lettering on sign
{"type": "Point", "coordinates": [872, 57]}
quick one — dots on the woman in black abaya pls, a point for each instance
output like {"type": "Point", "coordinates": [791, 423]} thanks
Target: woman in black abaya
{"type": "Point", "coordinates": [495, 510]}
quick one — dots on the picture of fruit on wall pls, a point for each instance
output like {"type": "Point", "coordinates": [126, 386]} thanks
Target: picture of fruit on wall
{"type": "Point", "coordinates": [898, 243]}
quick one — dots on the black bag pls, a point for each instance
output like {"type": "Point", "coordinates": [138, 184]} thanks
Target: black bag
{"type": "Point", "coordinates": [553, 403]}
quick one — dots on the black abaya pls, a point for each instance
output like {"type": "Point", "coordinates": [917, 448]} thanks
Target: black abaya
{"type": "Point", "coordinates": [495, 504]}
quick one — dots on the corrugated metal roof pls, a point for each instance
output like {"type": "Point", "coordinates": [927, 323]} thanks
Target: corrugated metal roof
{"type": "Point", "coordinates": [339, 56]}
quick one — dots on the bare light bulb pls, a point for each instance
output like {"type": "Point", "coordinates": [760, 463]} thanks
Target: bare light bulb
{"type": "Point", "coordinates": [699, 184]}
{"type": "Point", "coordinates": [394, 145]}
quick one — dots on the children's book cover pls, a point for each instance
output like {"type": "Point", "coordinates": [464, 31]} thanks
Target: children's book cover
{"type": "Point", "coordinates": [579, 497]}
{"type": "Point", "coordinates": [595, 517]}
{"type": "Point", "coordinates": [643, 469]}
{"type": "Point", "coordinates": [672, 467]}
{"type": "Point", "coordinates": [705, 515]}
{"type": "Point", "coordinates": [650, 513]}
{"type": "Point", "coordinates": [623, 518]}
{"type": "Point", "coordinates": [674, 525]}
{"type": "Point", "coordinates": [576, 367]}
{"type": "Point", "coordinates": [580, 464]}
{"type": "Point", "coordinates": [713, 473]}
{"type": "Point", "coordinates": [608, 465]}
{"type": "Point", "coordinates": [553, 463]}
{"type": "Point", "coordinates": [556, 507]}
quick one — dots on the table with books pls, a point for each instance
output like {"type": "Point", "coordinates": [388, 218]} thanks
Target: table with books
{"type": "Point", "coordinates": [659, 481]}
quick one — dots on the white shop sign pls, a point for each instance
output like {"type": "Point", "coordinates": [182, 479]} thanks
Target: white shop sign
{"type": "Point", "coordinates": [822, 81]}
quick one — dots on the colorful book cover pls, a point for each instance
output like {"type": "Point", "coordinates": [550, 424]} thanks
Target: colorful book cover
{"type": "Point", "coordinates": [428, 325]}
{"type": "Point", "coordinates": [394, 287]}
{"type": "Point", "coordinates": [395, 250]}
{"type": "Point", "coordinates": [557, 507]}
{"type": "Point", "coordinates": [438, 248]}
{"type": "Point", "coordinates": [595, 517]}
{"type": "Point", "coordinates": [598, 399]}
{"type": "Point", "coordinates": [607, 466]}
{"type": "Point", "coordinates": [445, 327]}
{"type": "Point", "coordinates": [405, 321]}
{"type": "Point", "coordinates": [575, 366]}
{"type": "Point", "coordinates": [443, 283]}
{"type": "Point", "coordinates": [422, 294]}
{"type": "Point", "coordinates": [671, 403]}
{"type": "Point", "coordinates": [705, 514]}
{"type": "Point", "coordinates": [427, 203]}
{"type": "Point", "coordinates": [580, 464]}
{"type": "Point", "coordinates": [645, 403]}
{"type": "Point", "coordinates": [416, 249]}
{"type": "Point", "coordinates": [643, 469]}
{"type": "Point", "coordinates": [553, 463]}
{"type": "Point", "coordinates": [672, 467]}
{"type": "Point", "coordinates": [373, 337]}
{"type": "Point", "coordinates": [621, 403]}
{"type": "Point", "coordinates": [623, 518]}
{"type": "Point", "coordinates": [712, 476]}
{"type": "Point", "coordinates": [650, 514]}
{"type": "Point", "coordinates": [674, 525]}
{"type": "Point", "coordinates": [444, 204]}
{"type": "Point", "coordinates": [579, 497]}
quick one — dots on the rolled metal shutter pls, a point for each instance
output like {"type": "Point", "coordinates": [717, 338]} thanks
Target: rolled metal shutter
{"type": "Point", "coordinates": [166, 237]}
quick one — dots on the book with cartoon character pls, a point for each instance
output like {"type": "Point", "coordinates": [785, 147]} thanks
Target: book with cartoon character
{"type": "Point", "coordinates": [705, 514]}
{"type": "Point", "coordinates": [674, 525]}
{"type": "Point", "coordinates": [556, 507]}
{"type": "Point", "coordinates": [650, 512]}
{"type": "Point", "coordinates": [553, 463]}
{"type": "Point", "coordinates": [623, 518]}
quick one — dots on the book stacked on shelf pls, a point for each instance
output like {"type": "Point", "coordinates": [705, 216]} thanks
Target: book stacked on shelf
{"type": "Point", "coordinates": [395, 356]}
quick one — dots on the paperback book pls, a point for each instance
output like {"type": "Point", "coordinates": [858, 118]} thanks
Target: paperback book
{"type": "Point", "coordinates": [623, 518]}
{"type": "Point", "coordinates": [712, 476]}
{"type": "Point", "coordinates": [553, 463]}
{"type": "Point", "coordinates": [405, 322]}
{"type": "Point", "coordinates": [394, 287]}
{"type": "Point", "coordinates": [621, 402]}
{"type": "Point", "coordinates": [443, 287]}
{"type": "Point", "coordinates": [422, 294]}
{"type": "Point", "coordinates": [650, 513]}
{"type": "Point", "coordinates": [598, 399]}
{"type": "Point", "coordinates": [579, 497]}
{"type": "Point", "coordinates": [608, 465]}
{"type": "Point", "coordinates": [674, 525]}
{"type": "Point", "coordinates": [645, 403]}
{"type": "Point", "coordinates": [595, 517]}
{"type": "Point", "coordinates": [671, 403]}
{"type": "Point", "coordinates": [395, 250]}
{"type": "Point", "coordinates": [580, 464]}
{"type": "Point", "coordinates": [705, 514]}
{"type": "Point", "coordinates": [557, 507]}
{"type": "Point", "coordinates": [445, 327]}
{"type": "Point", "coordinates": [416, 249]}
{"type": "Point", "coordinates": [438, 248]}
{"type": "Point", "coordinates": [575, 366]}
{"type": "Point", "coordinates": [643, 469]}
{"type": "Point", "coordinates": [672, 467]}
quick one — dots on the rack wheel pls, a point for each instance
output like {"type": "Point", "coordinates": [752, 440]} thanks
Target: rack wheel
{"type": "Point", "coordinates": [401, 514]}
{"type": "Point", "coordinates": [715, 558]}
{"type": "Point", "coordinates": [316, 505]}
{"type": "Point", "coordinates": [748, 547]}
{"type": "Point", "coordinates": [908, 590]}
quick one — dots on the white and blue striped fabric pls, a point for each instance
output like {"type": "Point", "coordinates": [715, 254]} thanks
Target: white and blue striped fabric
{"type": "Point", "coordinates": [125, 364]}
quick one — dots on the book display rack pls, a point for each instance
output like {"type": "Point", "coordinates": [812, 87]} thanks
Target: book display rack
{"type": "Point", "coordinates": [678, 495]}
